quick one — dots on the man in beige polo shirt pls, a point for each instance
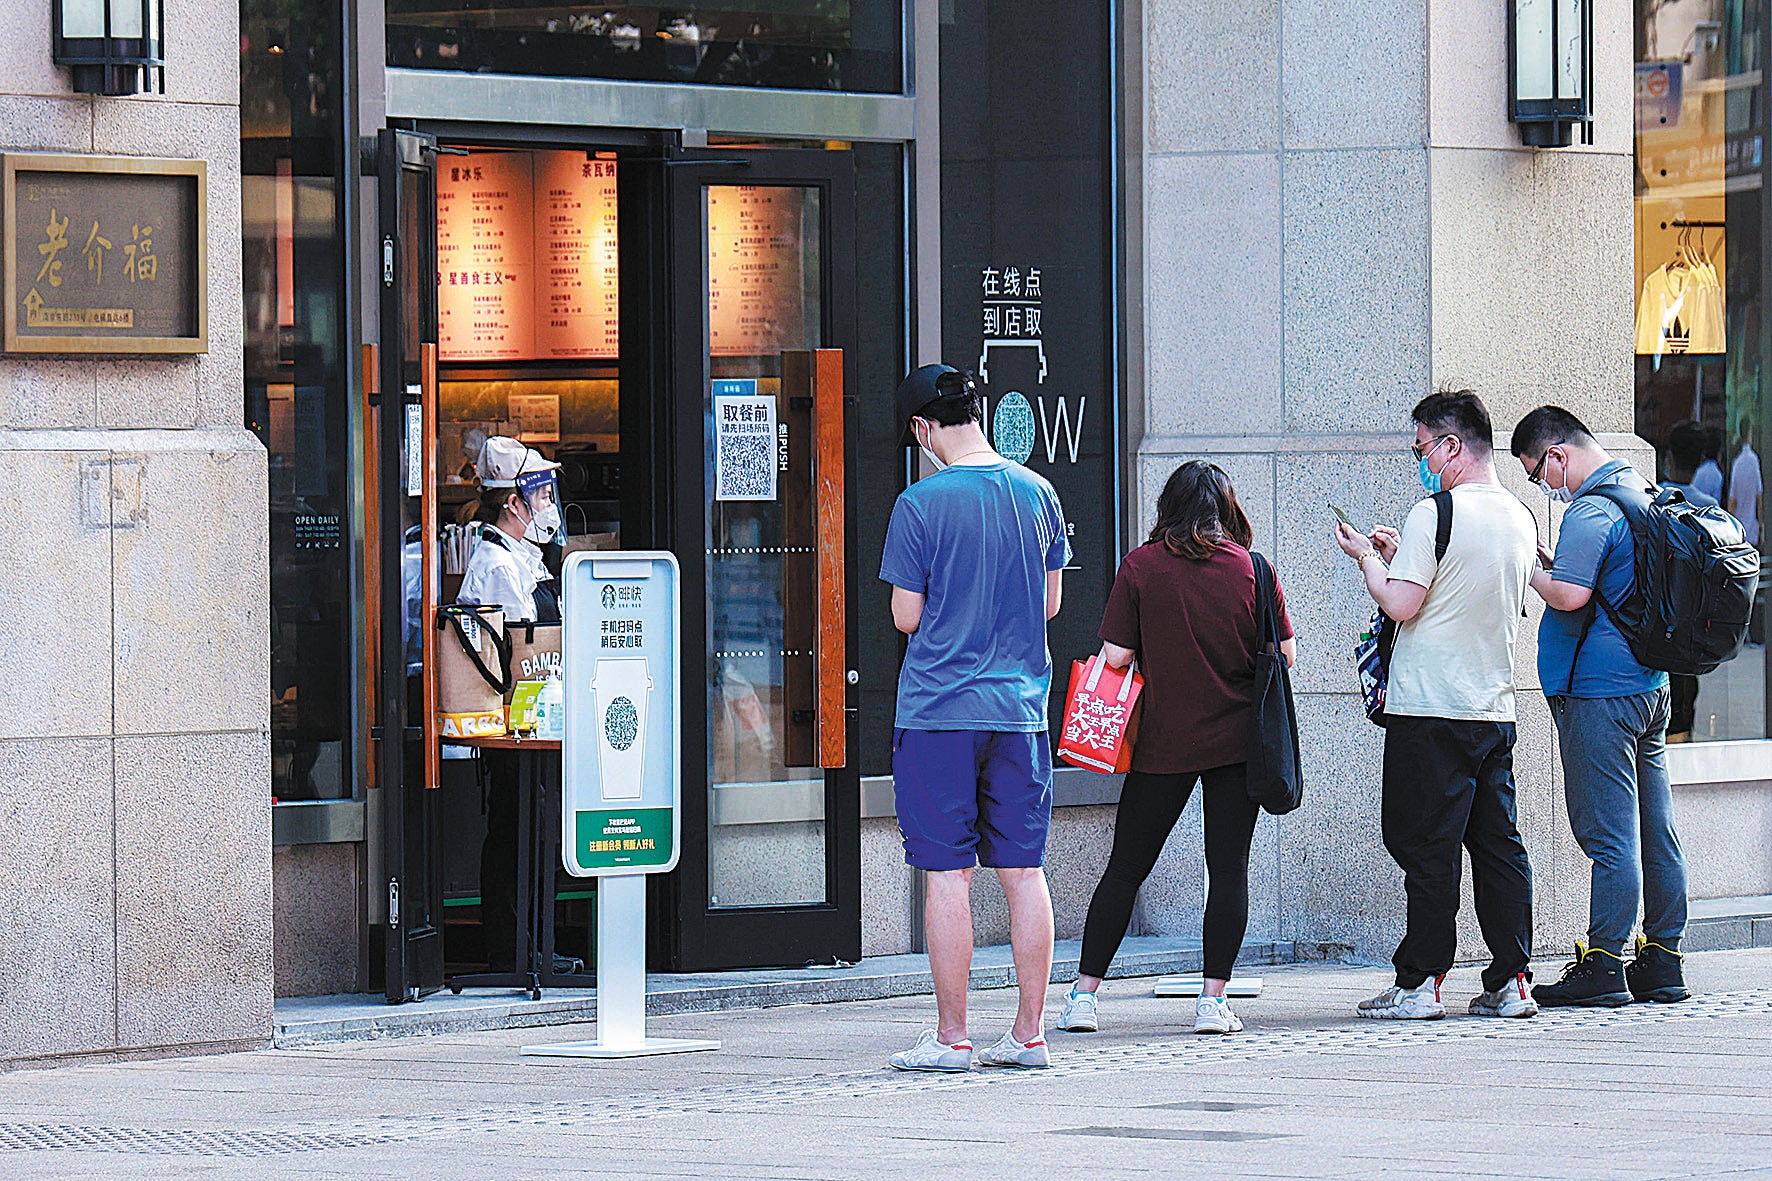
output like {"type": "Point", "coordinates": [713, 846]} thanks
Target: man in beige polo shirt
{"type": "Point", "coordinates": [1449, 736]}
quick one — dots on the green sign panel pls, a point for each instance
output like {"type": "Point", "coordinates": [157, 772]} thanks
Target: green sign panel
{"type": "Point", "coordinates": [637, 838]}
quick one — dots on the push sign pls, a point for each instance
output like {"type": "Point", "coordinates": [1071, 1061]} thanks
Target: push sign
{"type": "Point", "coordinates": [622, 764]}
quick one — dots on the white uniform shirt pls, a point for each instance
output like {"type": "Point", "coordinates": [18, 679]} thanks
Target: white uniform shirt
{"type": "Point", "coordinates": [503, 575]}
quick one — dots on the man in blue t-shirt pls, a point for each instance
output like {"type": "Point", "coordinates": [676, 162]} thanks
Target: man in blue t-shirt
{"type": "Point", "coordinates": [974, 554]}
{"type": "Point", "coordinates": [1611, 715]}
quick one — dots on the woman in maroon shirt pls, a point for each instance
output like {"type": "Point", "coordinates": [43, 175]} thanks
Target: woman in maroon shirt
{"type": "Point", "coordinates": [1184, 605]}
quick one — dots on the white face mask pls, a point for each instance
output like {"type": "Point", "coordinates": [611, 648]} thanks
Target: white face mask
{"type": "Point", "coordinates": [1562, 495]}
{"type": "Point", "coordinates": [934, 460]}
{"type": "Point", "coordinates": [543, 525]}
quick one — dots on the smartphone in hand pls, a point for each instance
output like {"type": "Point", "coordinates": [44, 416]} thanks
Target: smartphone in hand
{"type": "Point", "coordinates": [1343, 518]}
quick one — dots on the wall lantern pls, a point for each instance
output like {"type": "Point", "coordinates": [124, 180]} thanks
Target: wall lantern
{"type": "Point", "coordinates": [113, 46]}
{"type": "Point", "coordinates": [1550, 51]}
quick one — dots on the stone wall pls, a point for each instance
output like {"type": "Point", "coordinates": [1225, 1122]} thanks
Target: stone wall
{"type": "Point", "coordinates": [317, 897]}
{"type": "Point", "coordinates": [1336, 220]}
{"type": "Point", "coordinates": [135, 855]}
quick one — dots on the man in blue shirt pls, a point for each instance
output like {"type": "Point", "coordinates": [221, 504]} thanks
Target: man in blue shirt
{"type": "Point", "coordinates": [1611, 715]}
{"type": "Point", "coordinates": [974, 554]}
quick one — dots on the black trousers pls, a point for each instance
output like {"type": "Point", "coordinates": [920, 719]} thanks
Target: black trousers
{"type": "Point", "coordinates": [1449, 784]}
{"type": "Point", "coordinates": [1149, 807]}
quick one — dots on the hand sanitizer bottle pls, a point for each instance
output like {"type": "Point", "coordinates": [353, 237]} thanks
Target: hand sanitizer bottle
{"type": "Point", "coordinates": [550, 709]}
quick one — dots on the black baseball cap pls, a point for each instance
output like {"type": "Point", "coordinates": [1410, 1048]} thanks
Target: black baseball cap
{"type": "Point", "coordinates": [924, 386]}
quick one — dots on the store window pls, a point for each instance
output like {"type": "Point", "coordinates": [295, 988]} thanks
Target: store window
{"type": "Point", "coordinates": [296, 401]}
{"type": "Point", "coordinates": [1703, 352]}
{"type": "Point", "coordinates": [784, 44]}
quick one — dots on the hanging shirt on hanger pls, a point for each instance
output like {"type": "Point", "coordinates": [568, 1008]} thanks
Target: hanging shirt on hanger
{"type": "Point", "coordinates": [1680, 311]}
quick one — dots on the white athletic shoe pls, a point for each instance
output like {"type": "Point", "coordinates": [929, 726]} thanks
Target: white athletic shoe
{"type": "Point", "coordinates": [1406, 1004]}
{"type": "Point", "coordinates": [1510, 1000]}
{"type": "Point", "coordinates": [1212, 1014]}
{"type": "Point", "coordinates": [1009, 1052]}
{"type": "Point", "coordinates": [929, 1054]}
{"type": "Point", "coordinates": [1079, 1014]}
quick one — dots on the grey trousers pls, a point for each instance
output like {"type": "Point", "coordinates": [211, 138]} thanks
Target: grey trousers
{"type": "Point", "coordinates": [1621, 808]}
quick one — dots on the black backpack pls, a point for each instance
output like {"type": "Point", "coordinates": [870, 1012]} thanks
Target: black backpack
{"type": "Point", "coordinates": [1694, 584]}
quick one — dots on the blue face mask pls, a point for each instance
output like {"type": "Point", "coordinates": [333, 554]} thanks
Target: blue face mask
{"type": "Point", "coordinates": [1430, 479]}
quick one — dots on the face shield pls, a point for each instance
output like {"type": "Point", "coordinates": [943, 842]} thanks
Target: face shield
{"type": "Point", "coordinates": [541, 496]}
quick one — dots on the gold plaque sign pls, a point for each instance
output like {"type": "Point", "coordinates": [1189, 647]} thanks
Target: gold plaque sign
{"type": "Point", "coordinates": [105, 254]}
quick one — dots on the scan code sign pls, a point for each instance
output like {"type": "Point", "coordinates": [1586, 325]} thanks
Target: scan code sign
{"type": "Point", "coordinates": [623, 708]}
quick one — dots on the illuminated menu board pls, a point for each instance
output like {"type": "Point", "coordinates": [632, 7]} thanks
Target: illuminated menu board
{"type": "Point", "coordinates": [485, 257]}
{"type": "Point", "coordinates": [578, 308]}
{"type": "Point", "coordinates": [527, 261]}
{"type": "Point", "coordinates": [757, 301]}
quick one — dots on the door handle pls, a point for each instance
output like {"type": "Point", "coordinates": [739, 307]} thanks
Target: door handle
{"type": "Point", "coordinates": [427, 507]}
{"type": "Point", "coordinates": [830, 478]}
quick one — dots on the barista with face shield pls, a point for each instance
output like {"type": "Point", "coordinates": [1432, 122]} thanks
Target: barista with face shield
{"type": "Point", "coordinates": [519, 513]}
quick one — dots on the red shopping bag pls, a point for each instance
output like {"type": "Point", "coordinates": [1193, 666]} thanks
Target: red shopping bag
{"type": "Point", "coordinates": [1101, 716]}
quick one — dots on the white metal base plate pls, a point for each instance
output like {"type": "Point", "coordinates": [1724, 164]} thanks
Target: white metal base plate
{"type": "Point", "coordinates": [1245, 986]}
{"type": "Point", "coordinates": [644, 1049]}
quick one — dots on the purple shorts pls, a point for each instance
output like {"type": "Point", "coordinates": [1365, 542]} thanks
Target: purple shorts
{"type": "Point", "coordinates": [969, 797]}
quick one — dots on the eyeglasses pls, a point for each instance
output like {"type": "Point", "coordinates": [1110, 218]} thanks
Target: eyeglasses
{"type": "Point", "coordinates": [1538, 472]}
{"type": "Point", "coordinates": [1416, 448]}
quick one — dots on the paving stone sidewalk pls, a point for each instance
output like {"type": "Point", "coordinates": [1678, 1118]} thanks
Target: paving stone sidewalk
{"type": "Point", "coordinates": [801, 1092]}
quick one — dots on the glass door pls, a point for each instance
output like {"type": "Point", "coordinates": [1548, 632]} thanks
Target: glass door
{"type": "Point", "coordinates": [763, 276]}
{"type": "Point", "coordinates": [409, 885]}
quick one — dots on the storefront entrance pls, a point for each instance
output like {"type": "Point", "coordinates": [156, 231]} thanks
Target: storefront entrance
{"type": "Point", "coordinates": [677, 329]}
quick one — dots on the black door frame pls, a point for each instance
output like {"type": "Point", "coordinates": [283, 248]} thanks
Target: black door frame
{"type": "Point", "coordinates": [662, 372]}
{"type": "Point", "coordinates": [411, 849]}
{"type": "Point", "coordinates": [673, 348]}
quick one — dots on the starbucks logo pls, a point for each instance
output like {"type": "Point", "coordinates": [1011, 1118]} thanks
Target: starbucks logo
{"type": "Point", "coordinates": [621, 723]}
{"type": "Point", "coordinates": [1012, 427]}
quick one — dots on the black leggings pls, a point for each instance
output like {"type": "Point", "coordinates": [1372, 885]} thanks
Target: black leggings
{"type": "Point", "coordinates": [1149, 807]}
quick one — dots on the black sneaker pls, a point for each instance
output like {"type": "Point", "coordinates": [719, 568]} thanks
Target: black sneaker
{"type": "Point", "coordinates": [1595, 980]}
{"type": "Point", "coordinates": [1656, 975]}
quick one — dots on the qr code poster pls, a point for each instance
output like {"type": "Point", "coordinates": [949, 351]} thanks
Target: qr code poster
{"type": "Point", "coordinates": [744, 447]}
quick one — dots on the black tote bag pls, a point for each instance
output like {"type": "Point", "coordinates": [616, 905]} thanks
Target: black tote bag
{"type": "Point", "coordinates": [1275, 776]}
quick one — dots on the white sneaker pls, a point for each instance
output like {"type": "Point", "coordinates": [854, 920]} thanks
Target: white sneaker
{"type": "Point", "coordinates": [929, 1054]}
{"type": "Point", "coordinates": [1009, 1052]}
{"type": "Point", "coordinates": [1406, 1004]}
{"type": "Point", "coordinates": [1510, 1000]}
{"type": "Point", "coordinates": [1212, 1014]}
{"type": "Point", "coordinates": [1079, 1013]}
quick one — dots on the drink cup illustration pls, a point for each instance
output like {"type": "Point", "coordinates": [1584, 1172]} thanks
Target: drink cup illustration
{"type": "Point", "coordinates": [622, 689]}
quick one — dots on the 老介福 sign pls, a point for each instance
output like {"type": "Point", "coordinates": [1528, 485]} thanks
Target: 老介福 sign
{"type": "Point", "coordinates": [104, 254]}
